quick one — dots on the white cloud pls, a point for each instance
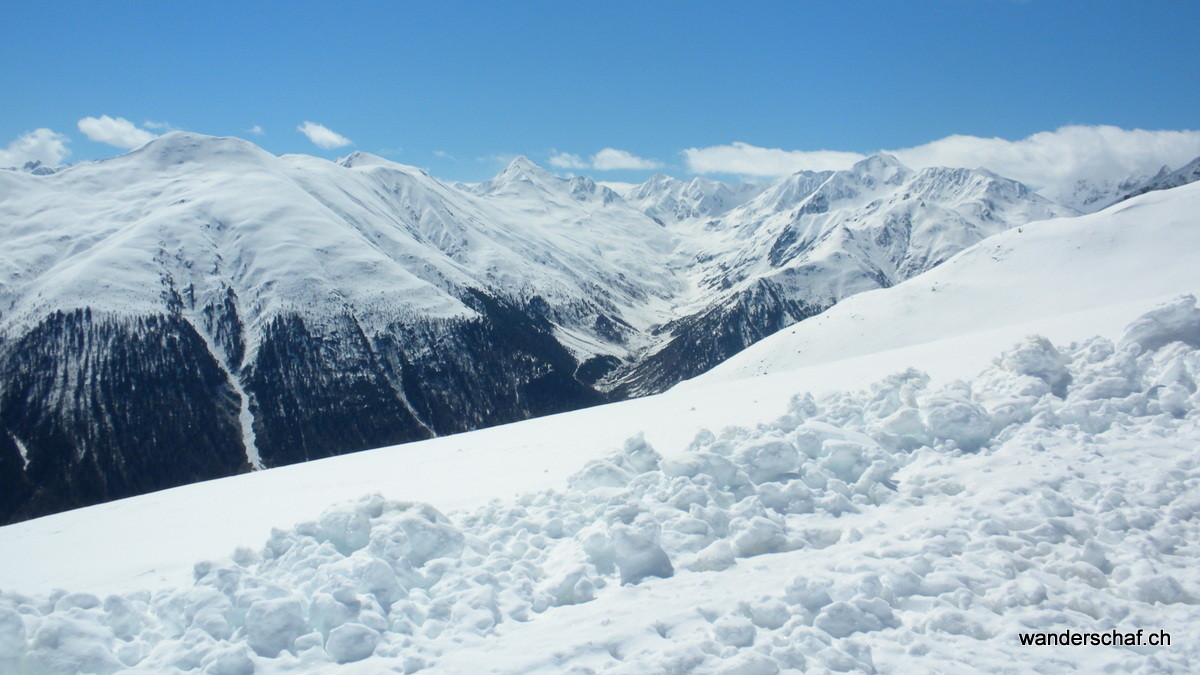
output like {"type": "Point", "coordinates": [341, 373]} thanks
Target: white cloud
{"type": "Point", "coordinates": [322, 136]}
{"type": "Point", "coordinates": [39, 145]}
{"type": "Point", "coordinates": [445, 155]}
{"type": "Point", "coordinates": [164, 126]}
{"type": "Point", "coordinates": [1053, 159]}
{"type": "Point", "coordinates": [565, 160]}
{"type": "Point", "coordinates": [607, 159]}
{"type": "Point", "coordinates": [256, 130]}
{"type": "Point", "coordinates": [1063, 156]}
{"type": "Point", "coordinates": [751, 160]}
{"type": "Point", "coordinates": [118, 132]}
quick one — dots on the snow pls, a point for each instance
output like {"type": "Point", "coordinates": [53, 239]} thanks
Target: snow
{"type": "Point", "coordinates": [817, 504]}
{"type": "Point", "coordinates": [913, 525]}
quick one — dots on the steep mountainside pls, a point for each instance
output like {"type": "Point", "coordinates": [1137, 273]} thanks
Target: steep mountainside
{"type": "Point", "coordinates": [200, 307]}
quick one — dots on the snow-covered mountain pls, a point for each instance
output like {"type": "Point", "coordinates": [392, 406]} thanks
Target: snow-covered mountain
{"type": "Point", "coordinates": [1091, 196]}
{"type": "Point", "coordinates": [670, 200]}
{"type": "Point", "coordinates": [814, 238]}
{"type": "Point", "coordinates": [200, 307]}
{"type": "Point", "coordinates": [1165, 179]}
{"type": "Point", "coordinates": [829, 508]}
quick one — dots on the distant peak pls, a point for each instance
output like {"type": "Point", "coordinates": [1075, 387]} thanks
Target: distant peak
{"type": "Point", "coordinates": [192, 138]}
{"type": "Point", "coordinates": [882, 167]}
{"type": "Point", "coordinates": [360, 158]}
{"type": "Point", "coordinates": [175, 147]}
{"type": "Point", "coordinates": [988, 173]}
{"type": "Point", "coordinates": [38, 169]}
{"type": "Point", "coordinates": [521, 168]}
{"type": "Point", "coordinates": [524, 164]}
{"type": "Point", "coordinates": [879, 160]}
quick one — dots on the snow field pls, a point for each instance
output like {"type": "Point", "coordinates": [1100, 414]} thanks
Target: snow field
{"type": "Point", "coordinates": [904, 527]}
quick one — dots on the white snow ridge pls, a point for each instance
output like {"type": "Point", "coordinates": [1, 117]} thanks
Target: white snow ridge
{"type": "Point", "coordinates": [909, 527]}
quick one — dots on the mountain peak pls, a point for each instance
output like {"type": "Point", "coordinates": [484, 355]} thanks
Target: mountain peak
{"type": "Point", "coordinates": [179, 147]}
{"type": "Point", "coordinates": [882, 167]}
{"type": "Point", "coordinates": [360, 158]}
{"type": "Point", "coordinates": [38, 169]}
{"type": "Point", "coordinates": [520, 171]}
{"type": "Point", "coordinates": [879, 160]}
{"type": "Point", "coordinates": [523, 164]}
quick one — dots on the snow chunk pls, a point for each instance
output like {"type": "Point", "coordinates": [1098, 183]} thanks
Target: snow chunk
{"type": "Point", "coordinates": [767, 459]}
{"type": "Point", "coordinates": [724, 472]}
{"type": "Point", "coordinates": [638, 554]}
{"type": "Point", "coordinates": [599, 474]}
{"type": "Point", "coordinates": [757, 536]}
{"type": "Point", "coordinates": [351, 642]}
{"type": "Point", "coordinates": [811, 594]}
{"type": "Point", "coordinates": [1036, 357]}
{"type": "Point", "coordinates": [733, 630]}
{"type": "Point", "coordinates": [233, 660]}
{"type": "Point", "coordinates": [273, 625]}
{"type": "Point", "coordinates": [637, 456]}
{"type": "Point", "coordinates": [346, 527]}
{"type": "Point", "coordinates": [72, 645]}
{"type": "Point", "coordinates": [842, 619]}
{"type": "Point", "coordinates": [1176, 321]}
{"type": "Point", "coordinates": [12, 634]}
{"type": "Point", "coordinates": [951, 414]}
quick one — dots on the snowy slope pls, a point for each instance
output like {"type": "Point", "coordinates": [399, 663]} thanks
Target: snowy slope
{"type": "Point", "coordinates": [933, 521]}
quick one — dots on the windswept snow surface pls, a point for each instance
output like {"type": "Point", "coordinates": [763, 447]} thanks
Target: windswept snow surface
{"type": "Point", "coordinates": [907, 527]}
{"type": "Point", "coordinates": [921, 523]}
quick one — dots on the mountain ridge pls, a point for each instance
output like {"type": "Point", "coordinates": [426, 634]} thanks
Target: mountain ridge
{"type": "Point", "coordinates": [317, 307]}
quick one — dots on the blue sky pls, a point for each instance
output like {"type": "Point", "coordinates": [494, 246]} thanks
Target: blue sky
{"type": "Point", "coordinates": [456, 87]}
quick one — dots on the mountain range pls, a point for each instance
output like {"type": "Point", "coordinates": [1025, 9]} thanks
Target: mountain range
{"type": "Point", "coordinates": [200, 307]}
{"type": "Point", "coordinates": [950, 463]}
